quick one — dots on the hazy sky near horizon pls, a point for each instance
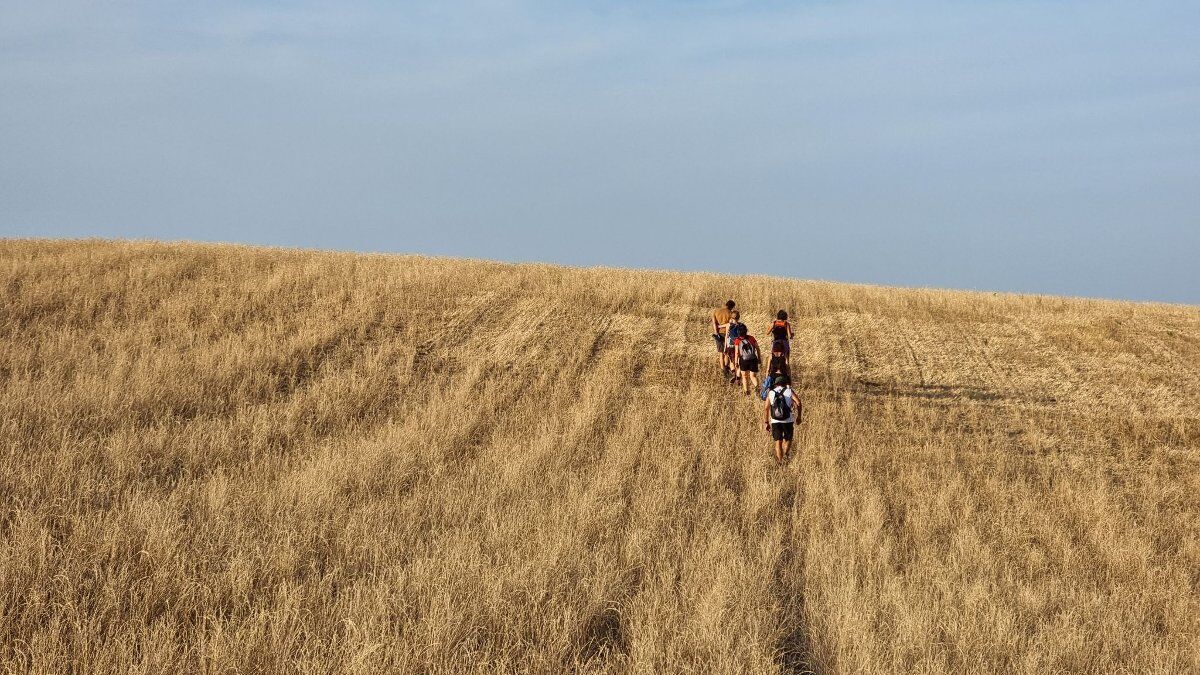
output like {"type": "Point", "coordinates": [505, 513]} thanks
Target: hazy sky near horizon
{"type": "Point", "coordinates": [1031, 146]}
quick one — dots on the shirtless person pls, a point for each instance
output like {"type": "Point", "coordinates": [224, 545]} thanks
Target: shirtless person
{"type": "Point", "coordinates": [720, 323]}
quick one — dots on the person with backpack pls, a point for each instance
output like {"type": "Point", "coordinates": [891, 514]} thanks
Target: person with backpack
{"type": "Point", "coordinates": [779, 358]}
{"type": "Point", "coordinates": [736, 330]}
{"type": "Point", "coordinates": [720, 327]}
{"type": "Point", "coordinates": [745, 353]}
{"type": "Point", "coordinates": [781, 414]}
{"type": "Point", "coordinates": [781, 333]}
{"type": "Point", "coordinates": [778, 367]}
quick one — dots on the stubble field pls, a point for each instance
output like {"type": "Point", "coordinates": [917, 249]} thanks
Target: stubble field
{"type": "Point", "coordinates": [225, 459]}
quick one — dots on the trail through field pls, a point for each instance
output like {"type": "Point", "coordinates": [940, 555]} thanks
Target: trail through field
{"type": "Point", "coordinates": [792, 649]}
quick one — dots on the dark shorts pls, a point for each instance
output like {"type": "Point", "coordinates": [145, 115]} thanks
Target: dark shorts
{"type": "Point", "coordinates": [782, 431]}
{"type": "Point", "coordinates": [720, 340]}
{"type": "Point", "coordinates": [748, 366]}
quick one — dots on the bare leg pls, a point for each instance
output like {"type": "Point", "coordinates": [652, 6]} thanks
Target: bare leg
{"type": "Point", "coordinates": [779, 452]}
{"type": "Point", "coordinates": [786, 446]}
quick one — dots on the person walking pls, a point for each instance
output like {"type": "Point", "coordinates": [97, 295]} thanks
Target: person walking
{"type": "Point", "coordinates": [781, 333]}
{"type": "Point", "coordinates": [720, 327]}
{"type": "Point", "coordinates": [779, 356]}
{"type": "Point", "coordinates": [778, 366]}
{"type": "Point", "coordinates": [736, 330]}
{"type": "Point", "coordinates": [781, 412]}
{"type": "Point", "coordinates": [746, 355]}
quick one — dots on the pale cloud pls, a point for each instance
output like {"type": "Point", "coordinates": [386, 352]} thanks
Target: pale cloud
{"type": "Point", "coordinates": [910, 143]}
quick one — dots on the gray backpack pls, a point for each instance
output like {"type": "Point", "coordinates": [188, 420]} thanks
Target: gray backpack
{"type": "Point", "coordinates": [746, 350]}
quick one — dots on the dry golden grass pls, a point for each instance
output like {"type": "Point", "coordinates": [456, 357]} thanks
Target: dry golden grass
{"type": "Point", "coordinates": [224, 459]}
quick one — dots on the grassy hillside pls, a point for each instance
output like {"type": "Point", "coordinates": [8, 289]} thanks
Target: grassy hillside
{"type": "Point", "coordinates": [227, 459]}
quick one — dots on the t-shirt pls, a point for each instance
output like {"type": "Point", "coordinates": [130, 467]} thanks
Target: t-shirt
{"type": "Point", "coordinates": [722, 317]}
{"type": "Point", "coordinates": [790, 397]}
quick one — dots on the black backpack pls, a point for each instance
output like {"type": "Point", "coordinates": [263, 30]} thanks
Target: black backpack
{"type": "Point", "coordinates": [780, 410]}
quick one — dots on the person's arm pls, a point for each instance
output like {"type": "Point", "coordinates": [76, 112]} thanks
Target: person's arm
{"type": "Point", "coordinates": [790, 333]}
{"type": "Point", "coordinates": [767, 412]}
{"type": "Point", "coordinates": [715, 325]}
{"type": "Point", "coordinates": [799, 407]}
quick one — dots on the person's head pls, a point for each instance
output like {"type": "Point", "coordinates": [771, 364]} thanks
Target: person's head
{"type": "Point", "coordinates": [782, 380]}
{"type": "Point", "coordinates": [736, 315]}
{"type": "Point", "coordinates": [781, 315]}
{"type": "Point", "coordinates": [729, 304]}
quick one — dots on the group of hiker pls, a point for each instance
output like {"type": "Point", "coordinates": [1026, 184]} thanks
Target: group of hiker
{"type": "Point", "coordinates": [741, 359]}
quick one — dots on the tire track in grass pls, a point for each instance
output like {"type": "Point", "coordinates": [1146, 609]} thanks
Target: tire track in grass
{"type": "Point", "coordinates": [1063, 380]}
{"type": "Point", "coordinates": [793, 649]}
{"type": "Point", "coordinates": [912, 352]}
{"type": "Point", "coordinates": [253, 525]}
{"type": "Point", "coordinates": [979, 349]}
{"type": "Point", "coordinates": [604, 636]}
{"type": "Point", "coordinates": [489, 431]}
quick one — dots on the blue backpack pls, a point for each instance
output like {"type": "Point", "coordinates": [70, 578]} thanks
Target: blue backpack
{"type": "Point", "coordinates": [736, 330]}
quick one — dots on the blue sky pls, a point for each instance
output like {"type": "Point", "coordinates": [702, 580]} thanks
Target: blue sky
{"type": "Point", "coordinates": [1049, 147]}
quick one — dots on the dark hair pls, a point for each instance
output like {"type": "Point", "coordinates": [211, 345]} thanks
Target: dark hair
{"type": "Point", "coordinates": [782, 379]}
{"type": "Point", "coordinates": [729, 304]}
{"type": "Point", "coordinates": [782, 315]}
